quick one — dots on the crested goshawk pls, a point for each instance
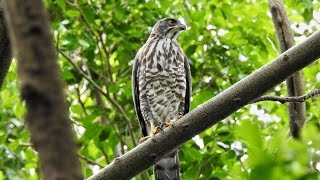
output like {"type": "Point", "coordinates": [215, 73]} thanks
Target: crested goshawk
{"type": "Point", "coordinates": [161, 83]}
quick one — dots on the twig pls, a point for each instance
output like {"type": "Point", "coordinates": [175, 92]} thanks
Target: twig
{"type": "Point", "coordinates": [90, 161]}
{"type": "Point", "coordinates": [80, 101]}
{"type": "Point", "coordinates": [98, 37]}
{"type": "Point", "coordinates": [26, 144]}
{"type": "Point", "coordinates": [99, 89]}
{"type": "Point", "coordinates": [282, 100]}
{"type": "Point", "coordinates": [105, 155]}
{"type": "Point", "coordinates": [112, 101]}
{"type": "Point", "coordinates": [107, 54]}
{"type": "Point", "coordinates": [74, 122]}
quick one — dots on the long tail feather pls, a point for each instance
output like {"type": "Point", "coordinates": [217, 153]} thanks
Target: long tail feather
{"type": "Point", "coordinates": [168, 167]}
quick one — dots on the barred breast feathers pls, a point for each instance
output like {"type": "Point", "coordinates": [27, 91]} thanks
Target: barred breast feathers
{"type": "Point", "coordinates": [162, 80]}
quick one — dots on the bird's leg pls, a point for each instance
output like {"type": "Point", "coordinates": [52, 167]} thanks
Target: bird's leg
{"type": "Point", "coordinates": [154, 130]}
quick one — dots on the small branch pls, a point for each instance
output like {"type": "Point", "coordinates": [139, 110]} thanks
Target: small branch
{"type": "Point", "coordinates": [104, 48]}
{"type": "Point", "coordinates": [282, 100]}
{"type": "Point", "coordinates": [98, 37]}
{"type": "Point", "coordinates": [104, 154]}
{"type": "Point", "coordinates": [89, 161]}
{"type": "Point", "coordinates": [112, 101]}
{"type": "Point", "coordinates": [75, 122]}
{"type": "Point", "coordinates": [80, 101]}
{"type": "Point", "coordinates": [100, 90]}
{"type": "Point", "coordinates": [26, 144]}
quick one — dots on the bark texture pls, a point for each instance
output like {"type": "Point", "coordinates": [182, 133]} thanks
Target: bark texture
{"type": "Point", "coordinates": [213, 111]}
{"type": "Point", "coordinates": [41, 89]}
{"type": "Point", "coordinates": [5, 48]}
{"type": "Point", "coordinates": [295, 83]}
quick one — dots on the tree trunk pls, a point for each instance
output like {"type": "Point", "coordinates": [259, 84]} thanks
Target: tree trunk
{"type": "Point", "coordinates": [5, 48]}
{"type": "Point", "coordinates": [41, 89]}
{"type": "Point", "coordinates": [295, 84]}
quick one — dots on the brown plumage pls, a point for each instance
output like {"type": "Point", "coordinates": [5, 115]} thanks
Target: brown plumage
{"type": "Point", "coordinates": [162, 87]}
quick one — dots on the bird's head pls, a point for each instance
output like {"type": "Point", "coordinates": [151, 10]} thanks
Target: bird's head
{"type": "Point", "coordinates": [168, 28]}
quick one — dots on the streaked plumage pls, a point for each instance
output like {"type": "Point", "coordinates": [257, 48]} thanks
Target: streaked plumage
{"type": "Point", "coordinates": [161, 87]}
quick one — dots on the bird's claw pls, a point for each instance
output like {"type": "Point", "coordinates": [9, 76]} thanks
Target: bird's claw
{"type": "Point", "coordinates": [167, 124]}
{"type": "Point", "coordinates": [157, 129]}
{"type": "Point", "coordinates": [154, 131]}
{"type": "Point", "coordinates": [144, 139]}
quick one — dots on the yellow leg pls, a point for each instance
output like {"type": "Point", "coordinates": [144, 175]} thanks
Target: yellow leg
{"type": "Point", "coordinates": [154, 130]}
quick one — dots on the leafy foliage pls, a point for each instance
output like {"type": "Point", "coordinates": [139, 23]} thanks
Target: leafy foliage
{"type": "Point", "coordinates": [225, 41]}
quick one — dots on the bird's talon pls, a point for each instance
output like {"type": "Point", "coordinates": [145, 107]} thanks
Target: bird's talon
{"type": "Point", "coordinates": [156, 130]}
{"type": "Point", "coordinates": [144, 139]}
{"type": "Point", "coordinates": [161, 128]}
{"type": "Point", "coordinates": [162, 125]}
{"type": "Point", "coordinates": [167, 124]}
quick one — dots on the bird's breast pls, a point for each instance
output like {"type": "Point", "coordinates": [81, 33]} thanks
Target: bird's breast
{"type": "Point", "coordinates": [162, 80]}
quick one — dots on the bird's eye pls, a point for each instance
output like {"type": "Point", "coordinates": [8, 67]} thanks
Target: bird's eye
{"type": "Point", "coordinates": [171, 22]}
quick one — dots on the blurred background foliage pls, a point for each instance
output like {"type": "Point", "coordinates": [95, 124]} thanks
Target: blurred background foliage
{"type": "Point", "coordinates": [226, 40]}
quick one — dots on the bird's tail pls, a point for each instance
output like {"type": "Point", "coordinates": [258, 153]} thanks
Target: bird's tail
{"type": "Point", "coordinates": [168, 167]}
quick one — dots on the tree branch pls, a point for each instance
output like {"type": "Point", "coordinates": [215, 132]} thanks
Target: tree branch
{"type": "Point", "coordinates": [213, 111]}
{"type": "Point", "coordinates": [112, 101]}
{"type": "Point", "coordinates": [295, 84]}
{"type": "Point", "coordinates": [88, 160]}
{"type": "Point", "coordinates": [97, 35]}
{"type": "Point", "coordinates": [282, 100]}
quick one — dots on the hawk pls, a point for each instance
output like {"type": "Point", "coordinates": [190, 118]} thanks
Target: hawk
{"type": "Point", "coordinates": [161, 84]}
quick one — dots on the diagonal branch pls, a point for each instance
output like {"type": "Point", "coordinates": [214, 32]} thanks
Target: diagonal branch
{"type": "Point", "coordinates": [296, 99]}
{"type": "Point", "coordinates": [112, 101]}
{"type": "Point", "coordinates": [213, 111]}
{"type": "Point", "coordinates": [89, 161]}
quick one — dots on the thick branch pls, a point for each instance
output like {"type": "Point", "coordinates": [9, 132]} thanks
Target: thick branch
{"type": "Point", "coordinates": [295, 84]}
{"type": "Point", "coordinates": [213, 111]}
{"type": "Point", "coordinates": [5, 48]}
{"type": "Point", "coordinates": [41, 89]}
{"type": "Point", "coordinates": [295, 99]}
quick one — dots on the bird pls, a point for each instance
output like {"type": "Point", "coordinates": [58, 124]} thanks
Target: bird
{"type": "Point", "coordinates": [161, 85]}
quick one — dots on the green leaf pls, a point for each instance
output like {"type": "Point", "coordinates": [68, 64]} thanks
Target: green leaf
{"type": "Point", "coordinates": [61, 4]}
{"type": "Point", "coordinates": [84, 43]}
{"type": "Point", "coordinates": [72, 13]}
{"type": "Point", "coordinates": [250, 133]}
{"type": "Point", "coordinates": [308, 14]}
{"type": "Point", "coordinates": [77, 109]}
{"type": "Point", "coordinates": [67, 75]}
{"type": "Point", "coordinates": [200, 98]}
{"type": "Point", "coordinates": [191, 49]}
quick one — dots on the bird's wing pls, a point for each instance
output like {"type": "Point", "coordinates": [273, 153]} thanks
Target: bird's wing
{"type": "Point", "coordinates": [188, 85]}
{"type": "Point", "coordinates": [135, 92]}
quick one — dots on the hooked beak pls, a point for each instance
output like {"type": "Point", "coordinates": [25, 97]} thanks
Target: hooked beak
{"type": "Point", "coordinates": [182, 27]}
